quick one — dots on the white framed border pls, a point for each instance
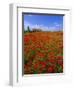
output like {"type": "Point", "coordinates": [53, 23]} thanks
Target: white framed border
{"type": "Point", "coordinates": [16, 77]}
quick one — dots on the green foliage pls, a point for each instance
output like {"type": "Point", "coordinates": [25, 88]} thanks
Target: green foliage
{"type": "Point", "coordinates": [28, 29]}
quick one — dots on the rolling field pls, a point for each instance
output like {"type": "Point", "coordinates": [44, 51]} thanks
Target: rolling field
{"type": "Point", "coordinates": [43, 52]}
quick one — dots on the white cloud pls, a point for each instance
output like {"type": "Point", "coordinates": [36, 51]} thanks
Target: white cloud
{"type": "Point", "coordinates": [57, 24]}
{"type": "Point", "coordinates": [47, 28]}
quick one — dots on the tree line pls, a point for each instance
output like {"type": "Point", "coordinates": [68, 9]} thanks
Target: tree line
{"type": "Point", "coordinates": [33, 30]}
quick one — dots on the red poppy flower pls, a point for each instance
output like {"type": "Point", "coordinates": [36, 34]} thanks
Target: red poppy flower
{"type": "Point", "coordinates": [50, 69]}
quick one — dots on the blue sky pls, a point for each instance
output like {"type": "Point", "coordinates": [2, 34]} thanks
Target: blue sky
{"type": "Point", "coordinates": [45, 22]}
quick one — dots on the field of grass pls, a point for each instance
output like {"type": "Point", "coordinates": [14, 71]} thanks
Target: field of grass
{"type": "Point", "coordinates": [43, 52]}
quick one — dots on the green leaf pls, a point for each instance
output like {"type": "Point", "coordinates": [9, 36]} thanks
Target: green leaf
{"type": "Point", "coordinates": [59, 69]}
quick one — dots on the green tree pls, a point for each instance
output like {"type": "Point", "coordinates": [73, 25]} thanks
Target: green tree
{"type": "Point", "coordinates": [28, 29]}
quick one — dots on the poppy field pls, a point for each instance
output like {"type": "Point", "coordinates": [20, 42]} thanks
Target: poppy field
{"type": "Point", "coordinates": [43, 52]}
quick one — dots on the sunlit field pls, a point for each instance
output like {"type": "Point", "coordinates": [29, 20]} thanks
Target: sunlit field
{"type": "Point", "coordinates": [43, 52]}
